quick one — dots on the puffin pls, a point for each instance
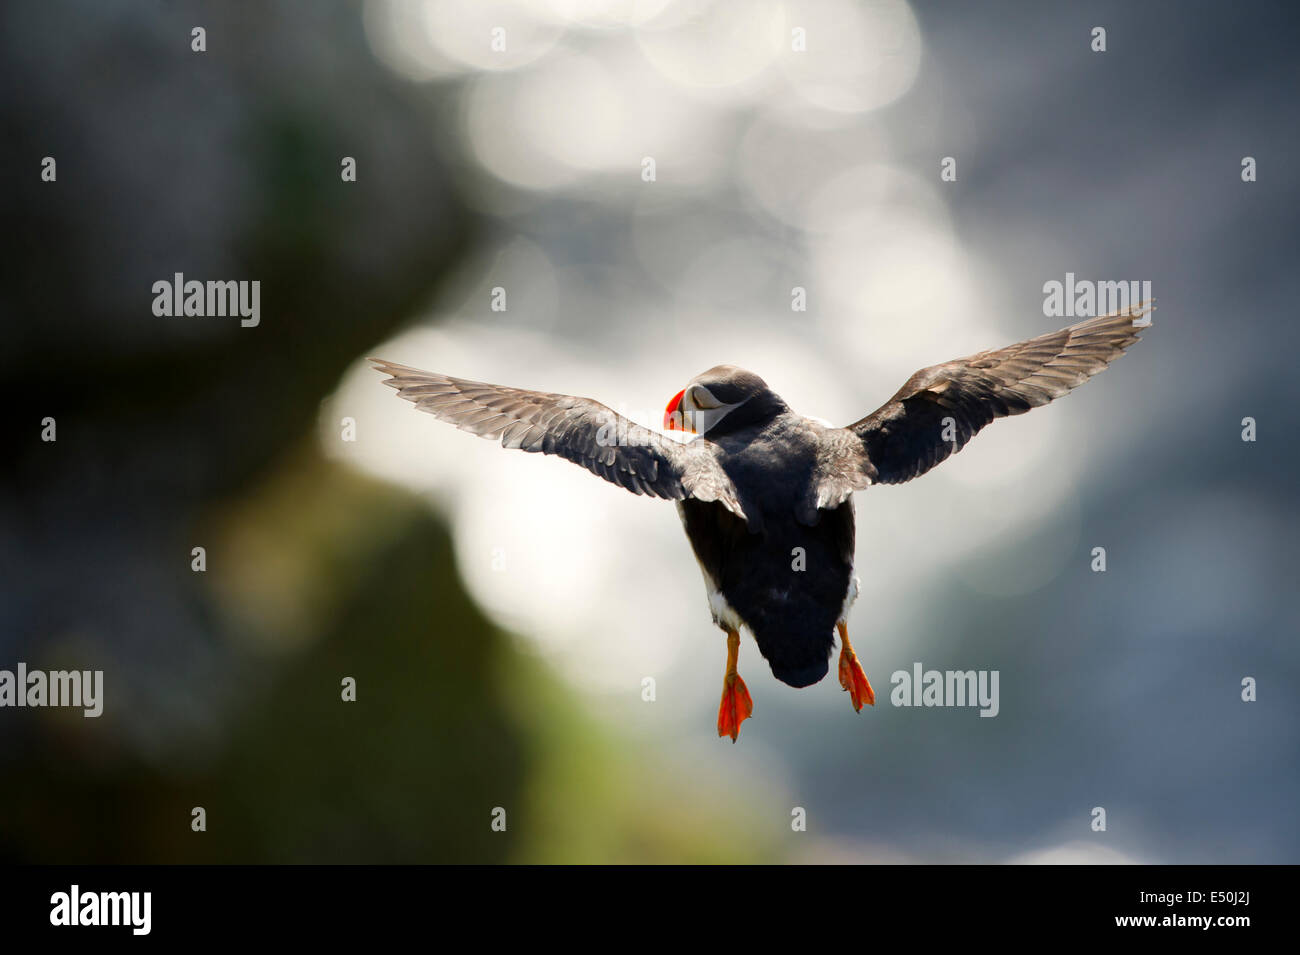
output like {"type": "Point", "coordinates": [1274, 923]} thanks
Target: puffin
{"type": "Point", "coordinates": [764, 493]}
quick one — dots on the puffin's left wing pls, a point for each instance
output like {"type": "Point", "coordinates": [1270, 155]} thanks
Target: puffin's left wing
{"type": "Point", "coordinates": [942, 407]}
{"type": "Point", "coordinates": [580, 430]}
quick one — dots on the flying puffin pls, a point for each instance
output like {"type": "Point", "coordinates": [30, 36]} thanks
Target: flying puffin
{"type": "Point", "coordinates": [765, 494]}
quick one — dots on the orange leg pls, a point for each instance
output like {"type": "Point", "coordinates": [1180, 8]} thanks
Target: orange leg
{"type": "Point", "coordinates": [851, 676]}
{"type": "Point", "coordinates": [736, 705]}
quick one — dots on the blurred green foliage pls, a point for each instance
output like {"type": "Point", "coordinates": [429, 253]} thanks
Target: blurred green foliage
{"type": "Point", "coordinates": [326, 574]}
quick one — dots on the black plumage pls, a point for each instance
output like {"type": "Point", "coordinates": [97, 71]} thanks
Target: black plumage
{"type": "Point", "coordinates": [786, 584]}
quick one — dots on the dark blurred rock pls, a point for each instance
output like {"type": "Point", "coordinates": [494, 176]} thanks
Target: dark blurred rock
{"type": "Point", "coordinates": [221, 165]}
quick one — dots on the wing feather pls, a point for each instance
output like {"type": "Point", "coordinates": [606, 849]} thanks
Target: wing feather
{"type": "Point", "coordinates": [940, 408]}
{"type": "Point", "coordinates": [580, 430]}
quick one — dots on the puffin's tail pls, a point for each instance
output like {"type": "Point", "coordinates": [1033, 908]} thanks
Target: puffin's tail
{"type": "Point", "coordinates": [798, 658]}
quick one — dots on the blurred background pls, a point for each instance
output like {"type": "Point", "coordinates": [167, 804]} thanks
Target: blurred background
{"type": "Point", "coordinates": [500, 612]}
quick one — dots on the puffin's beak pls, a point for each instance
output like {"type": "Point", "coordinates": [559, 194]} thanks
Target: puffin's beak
{"type": "Point", "coordinates": [673, 414]}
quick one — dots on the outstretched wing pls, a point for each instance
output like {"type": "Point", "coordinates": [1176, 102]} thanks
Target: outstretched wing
{"type": "Point", "coordinates": [580, 430]}
{"type": "Point", "coordinates": [942, 407]}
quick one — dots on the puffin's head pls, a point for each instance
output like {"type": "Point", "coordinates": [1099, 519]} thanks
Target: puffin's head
{"type": "Point", "coordinates": [717, 396]}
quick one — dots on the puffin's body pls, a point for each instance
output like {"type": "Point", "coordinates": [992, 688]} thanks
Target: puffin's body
{"type": "Point", "coordinates": [789, 584]}
{"type": "Point", "coordinates": [765, 494]}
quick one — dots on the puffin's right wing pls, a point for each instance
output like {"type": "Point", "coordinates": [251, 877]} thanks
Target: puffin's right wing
{"type": "Point", "coordinates": [942, 407]}
{"type": "Point", "coordinates": [580, 430]}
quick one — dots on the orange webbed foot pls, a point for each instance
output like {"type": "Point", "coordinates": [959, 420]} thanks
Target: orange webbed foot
{"type": "Point", "coordinates": [736, 706]}
{"type": "Point", "coordinates": [852, 677]}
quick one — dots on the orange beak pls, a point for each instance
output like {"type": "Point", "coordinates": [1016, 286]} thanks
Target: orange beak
{"type": "Point", "coordinates": [673, 413]}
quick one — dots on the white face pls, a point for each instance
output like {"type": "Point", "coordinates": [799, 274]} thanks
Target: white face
{"type": "Point", "coordinates": [700, 410]}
